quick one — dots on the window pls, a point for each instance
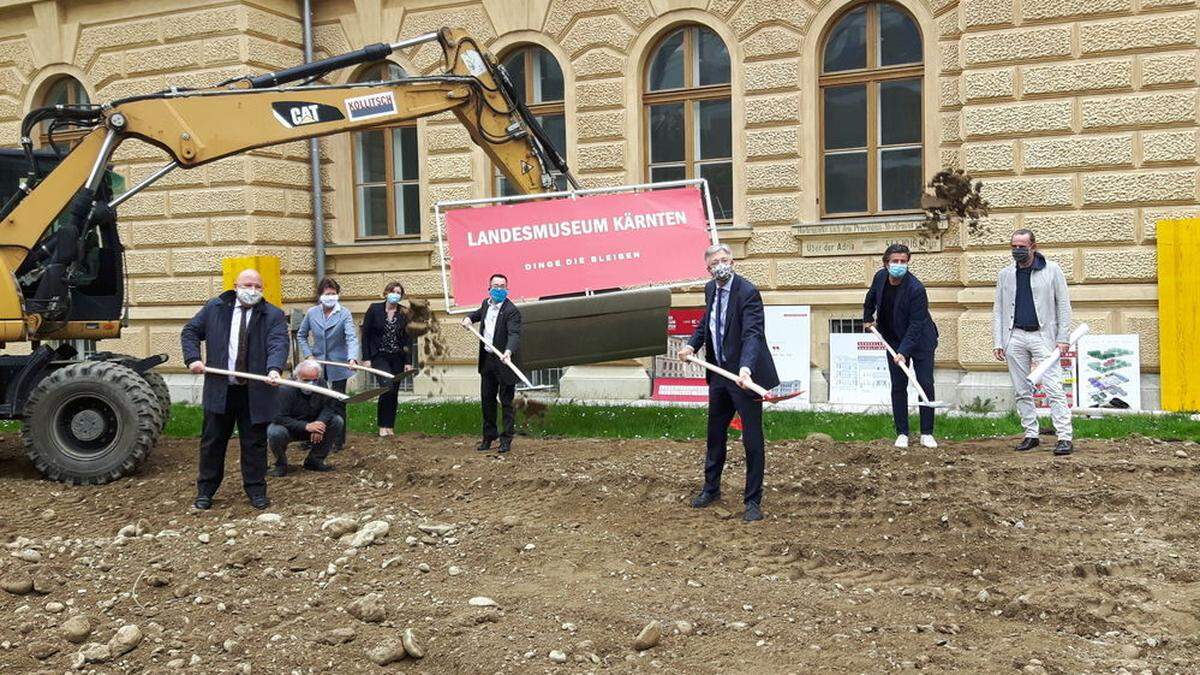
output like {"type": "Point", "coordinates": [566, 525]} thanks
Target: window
{"type": "Point", "coordinates": [387, 192]}
{"type": "Point", "coordinates": [63, 90]}
{"type": "Point", "coordinates": [871, 120]}
{"type": "Point", "coordinates": [538, 79]}
{"type": "Point", "coordinates": [846, 326]}
{"type": "Point", "coordinates": [687, 113]}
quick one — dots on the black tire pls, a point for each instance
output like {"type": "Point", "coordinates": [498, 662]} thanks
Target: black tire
{"type": "Point", "coordinates": [163, 393]}
{"type": "Point", "coordinates": [90, 423]}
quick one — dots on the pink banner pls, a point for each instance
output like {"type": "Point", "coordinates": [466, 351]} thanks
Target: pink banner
{"type": "Point", "coordinates": [572, 245]}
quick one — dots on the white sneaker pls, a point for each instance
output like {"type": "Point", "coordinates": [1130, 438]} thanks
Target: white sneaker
{"type": "Point", "coordinates": [928, 441]}
{"type": "Point", "coordinates": [902, 441]}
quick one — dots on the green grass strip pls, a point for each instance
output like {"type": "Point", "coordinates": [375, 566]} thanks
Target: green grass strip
{"type": "Point", "coordinates": [579, 421]}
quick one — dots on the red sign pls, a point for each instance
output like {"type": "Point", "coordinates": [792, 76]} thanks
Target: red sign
{"type": "Point", "coordinates": [683, 322]}
{"type": "Point", "coordinates": [573, 245]}
{"type": "Point", "coordinates": [680, 389]}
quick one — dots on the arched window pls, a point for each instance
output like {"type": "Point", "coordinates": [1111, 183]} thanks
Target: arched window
{"type": "Point", "coordinates": [871, 119]}
{"type": "Point", "coordinates": [387, 192]}
{"type": "Point", "coordinates": [62, 90]}
{"type": "Point", "coordinates": [687, 113]}
{"type": "Point", "coordinates": [538, 79]}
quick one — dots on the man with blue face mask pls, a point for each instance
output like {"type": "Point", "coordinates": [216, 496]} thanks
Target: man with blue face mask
{"type": "Point", "coordinates": [502, 328]}
{"type": "Point", "coordinates": [244, 333]}
{"type": "Point", "coordinates": [898, 307]}
{"type": "Point", "coordinates": [1031, 320]}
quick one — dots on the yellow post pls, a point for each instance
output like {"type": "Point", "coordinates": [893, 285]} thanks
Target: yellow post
{"type": "Point", "coordinates": [1179, 313]}
{"type": "Point", "coordinates": [267, 266]}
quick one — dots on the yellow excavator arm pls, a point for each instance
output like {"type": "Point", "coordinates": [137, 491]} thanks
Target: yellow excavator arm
{"type": "Point", "coordinates": [198, 126]}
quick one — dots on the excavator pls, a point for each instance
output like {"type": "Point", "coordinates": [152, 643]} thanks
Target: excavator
{"type": "Point", "coordinates": [94, 419]}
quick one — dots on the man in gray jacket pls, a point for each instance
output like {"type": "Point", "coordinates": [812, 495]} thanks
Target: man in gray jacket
{"type": "Point", "coordinates": [1031, 319]}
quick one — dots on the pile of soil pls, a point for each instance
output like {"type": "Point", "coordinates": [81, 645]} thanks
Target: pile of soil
{"type": "Point", "coordinates": [556, 556]}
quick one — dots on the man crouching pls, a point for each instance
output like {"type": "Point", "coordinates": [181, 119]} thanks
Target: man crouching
{"type": "Point", "coordinates": [304, 416]}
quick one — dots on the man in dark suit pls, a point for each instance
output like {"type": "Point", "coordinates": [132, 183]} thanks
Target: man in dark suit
{"type": "Point", "coordinates": [304, 416]}
{"type": "Point", "coordinates": [243, 333]}
{"type": "Point", "coordinates": [898, 307]}
{"type": "Point", "coordinates": [500, 322]}
{"type": "Point", "coordinates": [733, 337]}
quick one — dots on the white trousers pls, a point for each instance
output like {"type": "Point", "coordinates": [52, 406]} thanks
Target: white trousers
{"type": "Point", "coordinates": [1025, 350]}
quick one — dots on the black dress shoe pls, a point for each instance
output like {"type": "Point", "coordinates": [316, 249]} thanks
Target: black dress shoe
{"type": "Point", "coordinates": [485, 445]}
{"type": "Point", "coordinates": [203, 503]}
{"type": "Point", "coordinates": [753, 512]}
{"type": "Point", "coordinates": [704, 499]}
{"type": "Point", "coordinates": [1029, 443]}
{"type": "Point", "coordinates": [260, 502]}
{"type": "Point", "coordinates": [318, 466]}
{"type": "Point", "coordinates": [1064, 448]}
{"type": "Point", "coordinates": [278, 471]}
{"type": "Point", "coordinates": [505, 447]}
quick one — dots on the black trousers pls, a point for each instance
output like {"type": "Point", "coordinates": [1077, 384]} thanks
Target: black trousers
{"type": "Point", "coordinates": [279, 436]}
{"type": "Point", "coordinates": [385, 407]}
{"type": "Point", "coordinates": [491, 387]}
{"type": "Point", "coordinates": [923, 366]}
{"type": "Point", "coordinates": [214, 441]}
{"type": "Point", "coordinates": [339, 441]}
{"type": "Point", "coordinates": [724, 399]}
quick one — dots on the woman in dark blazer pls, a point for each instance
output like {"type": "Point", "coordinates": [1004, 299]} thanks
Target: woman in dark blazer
{"type": "Point", "coordinates": [386, 345]}
{"type": "Point", "coordinates": [898, 307]}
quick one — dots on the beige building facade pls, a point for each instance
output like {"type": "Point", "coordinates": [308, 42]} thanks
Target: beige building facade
{"type": "Point", "coordinates": [816, 122]}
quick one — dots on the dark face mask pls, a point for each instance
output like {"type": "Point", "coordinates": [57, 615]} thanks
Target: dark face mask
{"type": "Point", "coordinates": [1021, 254]}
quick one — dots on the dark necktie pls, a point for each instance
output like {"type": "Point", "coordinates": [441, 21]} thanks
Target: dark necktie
{"type": "Point", "coordinates": [720, 355]}
{"type": "Point", "coordinates": [243, 341]}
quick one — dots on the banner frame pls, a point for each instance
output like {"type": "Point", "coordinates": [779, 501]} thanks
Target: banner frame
{"type": "Point", "coordinates": [439, 224]}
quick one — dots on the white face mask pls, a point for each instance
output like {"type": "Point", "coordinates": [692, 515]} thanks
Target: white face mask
{"type": "Point", "coordinates": [248, 296]}
{"type": "Point", "coordinates": [329, 300]}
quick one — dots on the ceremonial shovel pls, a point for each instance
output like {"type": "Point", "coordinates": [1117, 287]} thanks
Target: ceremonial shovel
{"type": "Point", "coordinates": [1040, 371]}
{"type": "Point", "coordinates": [923, 398]}
{"type": "Point", "coordinates": [356, 366]}
{"type": "Point", "coordinates": [367, 394]}
{"type": "Point", "coordinates": [281, 381]}
{"type": "Point", "coordinates": [763, 395]}
{"type": "Point", "coordinates": [488, 346]}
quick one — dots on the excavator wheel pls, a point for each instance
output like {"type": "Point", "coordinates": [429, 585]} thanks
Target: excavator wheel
{"type": "Point", "coordinates": [90, 423]}
{"type": "Point", "coordinates": [163, 393]}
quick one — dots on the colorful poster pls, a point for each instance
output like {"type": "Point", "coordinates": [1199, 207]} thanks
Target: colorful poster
{"type": "Point", "coordinates": [1110, 374]}
{"type": "Point", "coordinates": [1070, 383]}
{"type": "Point", "coordinates": [564, 246]}
{"type": "Point", "coordinates": [789, 337]}
{"type": "Point", "coordinates": [675, 380]}
{"type": "Point", "coordinates": [858, 371]}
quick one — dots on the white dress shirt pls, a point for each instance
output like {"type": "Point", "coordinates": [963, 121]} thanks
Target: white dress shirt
{"type": "Point", "coordinates": [721, 296]}
{"type": "Point", "coordinates": [235, 331]}
{"type": "Point", "coordinates": [489, 322]}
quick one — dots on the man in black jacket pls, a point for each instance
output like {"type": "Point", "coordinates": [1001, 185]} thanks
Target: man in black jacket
{"type": "Point", "coordinates": [500, 323]}
{"type": "Point", "coordinates": [304, 416]}
{"type": "Point", "coordinates": [733, 334]}
{"type": "Point", "coordinates": [244, 333]}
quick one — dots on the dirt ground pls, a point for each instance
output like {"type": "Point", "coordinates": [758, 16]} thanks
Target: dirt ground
{"type": "Point", "coordinates": [967, 558]}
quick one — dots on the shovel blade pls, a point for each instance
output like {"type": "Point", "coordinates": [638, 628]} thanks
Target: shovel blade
{"type": "Point", "coordinates": [366, 395]}
{"type": "Point", "coordinates": [933, 404]}
{"type": "Point", "coordinates": [769, 398]}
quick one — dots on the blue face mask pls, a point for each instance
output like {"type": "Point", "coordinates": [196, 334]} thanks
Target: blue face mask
{"type": "Point", "coordinates": [393, 298]}
{"type": "Point", "coordinates": [498, 295]}
{"type": "Point", "coordinates": [897, 270]}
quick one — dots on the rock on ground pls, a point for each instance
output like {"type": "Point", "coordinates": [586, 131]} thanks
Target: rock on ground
{"type": "Point", "coordinates": [368, 609]}
{"type": "Point", "coordinates": [369, 534]}
{"type": "Point", "coordinates": [127, 639]}
{"type": "Point", "coordinates": [76, 629]}
{"type": "Point", "coordinates": [388, 651]}
{"type": "Point", "coordinates": [649, 636]}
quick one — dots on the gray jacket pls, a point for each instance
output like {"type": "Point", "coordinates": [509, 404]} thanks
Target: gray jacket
{"type": "Point", "coordinates": [1050, 300]}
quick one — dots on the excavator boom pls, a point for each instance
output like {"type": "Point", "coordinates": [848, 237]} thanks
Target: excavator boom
{"type": "Point", "coordinates": [194, 127]}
